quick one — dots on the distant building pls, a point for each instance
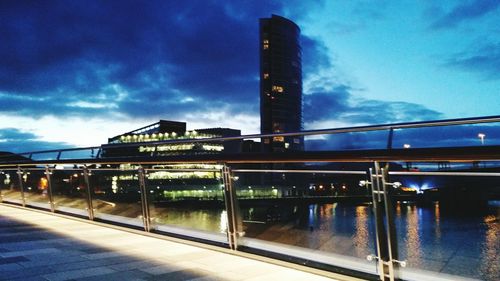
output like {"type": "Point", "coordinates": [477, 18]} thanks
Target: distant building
{"type": "Point", "coordinates": [171, 130]}
{"type": "Point", "coordinates": [280, 83]}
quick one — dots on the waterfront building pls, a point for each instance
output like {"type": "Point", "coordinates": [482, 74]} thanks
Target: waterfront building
{"type": "Point", "coordinates": [172, 182]}
{"type": "Point", "coordinates": [164, 130]}
{"type": "Point", "coordinates": [280, 83]}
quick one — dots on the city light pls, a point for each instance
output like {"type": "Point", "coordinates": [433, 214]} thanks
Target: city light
{"type": "Point", "coordinates": [481, 136]}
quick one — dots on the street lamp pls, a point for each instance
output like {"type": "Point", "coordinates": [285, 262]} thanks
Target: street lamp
{"type": "Point", "coordinates": [406, 145]}
{"type": "Point", "coordinates": [481, 136]}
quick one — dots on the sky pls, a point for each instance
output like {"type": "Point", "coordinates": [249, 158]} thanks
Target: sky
{"type": "Point", "coordinates": [73, 73]}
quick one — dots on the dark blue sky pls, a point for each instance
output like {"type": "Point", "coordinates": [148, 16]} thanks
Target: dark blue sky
{"type": "Point", "coordinates": [77, 72]}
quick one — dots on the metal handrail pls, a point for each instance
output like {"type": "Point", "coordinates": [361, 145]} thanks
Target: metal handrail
{"type": "Point", "coordinates": [355, 129]}
{"type": "Point", "coordinates": [455, 154]}
{"type": "Point", "coordinates": [467, 174]}
{"type": "Point", "coordinates": [300, 171]}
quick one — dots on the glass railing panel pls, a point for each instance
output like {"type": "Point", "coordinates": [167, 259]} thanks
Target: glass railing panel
{"type": "Point", "coordinates": [450, 224]}
{"type": "Point", "coordinates": [41, 156]}
{"type": "Point", "coordinates": [347, 141]}
{"type": "Point", "coordinates": [69, 191]}
{"type": "Point", "coordinates": [322, 216]}
{"type": "Point", "coordinates": [448, 136]}
{"type": "Point", "coordinates": [116, 195]}
{"type": "Point", "coordinates": [9, 187]}
{"type": "Point", "coordinates": [79, 154]}
{"type": "Point", "coordinates": [188, 200]}
{"type": "Point", "coordinates": [36, 188]}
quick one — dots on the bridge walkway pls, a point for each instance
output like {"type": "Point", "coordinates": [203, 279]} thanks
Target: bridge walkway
{"type": "Point", "coordinates": [36, 245]}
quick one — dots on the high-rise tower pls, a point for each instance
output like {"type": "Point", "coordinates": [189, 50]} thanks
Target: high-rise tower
{"type": "Point", "coordinates": [280, 83]}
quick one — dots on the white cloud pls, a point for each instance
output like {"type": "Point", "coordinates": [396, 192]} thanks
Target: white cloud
{"type": "Point", "coordinates": [74, 131]}
{"type": "Point", "coordinates": [248, 124]}
{"type": "Point", "coordinates": [85, 104]}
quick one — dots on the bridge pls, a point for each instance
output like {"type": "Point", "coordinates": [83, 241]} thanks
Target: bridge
{"type": "Point", "coordinates": [239, 203]}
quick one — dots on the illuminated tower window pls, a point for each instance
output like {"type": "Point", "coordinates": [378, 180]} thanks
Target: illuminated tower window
{"type": "Point", "coordinates": [278, 89]}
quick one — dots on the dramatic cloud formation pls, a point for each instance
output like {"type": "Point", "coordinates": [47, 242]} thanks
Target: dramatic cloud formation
{"type": "Point", "coordinates": [341, 106]}
{"type": "Point", "coordinates": [81, 71]}
{"type": "Point", "coordinates": [82, 59]}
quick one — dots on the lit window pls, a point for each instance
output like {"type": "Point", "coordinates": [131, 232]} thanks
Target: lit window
{"type": "Point", "coordinates": [278, 89]}
{"type": "Point", "coordinates": [287, 145]}
{"type": "Point", "coordinates": [279, 139]}
{"type": "Point", "coordinates": [266, 75]}
{"type": "Point", "coordinates": [265, 44]}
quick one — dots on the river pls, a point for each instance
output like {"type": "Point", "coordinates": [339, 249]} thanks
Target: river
{"type": "Point", "coordinates": [463, 242]}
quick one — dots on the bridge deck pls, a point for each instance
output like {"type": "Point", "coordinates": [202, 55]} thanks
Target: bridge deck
{"type": "Point", "coordinates": [40, 246]}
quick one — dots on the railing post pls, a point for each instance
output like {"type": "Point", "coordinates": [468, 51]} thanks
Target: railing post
{"type": "Point", "coordinates": [4, 176]}
{"type": "Point", "coordinates": [232, 210]}
{"type": "Point", "coordinates": [90, 205]}
{"type": "Point", "coordinates": [21, 185]}
{"type": "Point", "coordinates": [392, 242]}
{"type": "Point", "coordinates": [389, 138]}
{"type": "Point", "coordinates": [48, 172]}
{"type": "Point", "coordinates": [379, 220]}
{"type": "Point", "coordinates": [146, 218]}
{"type": "Point", "coordinates": [386, 240]}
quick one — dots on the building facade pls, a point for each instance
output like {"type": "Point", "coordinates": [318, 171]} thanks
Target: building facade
{"type": "Point", "coordinates": [280, 83]}
{"type": "Point", "coordinates": [165, 130]}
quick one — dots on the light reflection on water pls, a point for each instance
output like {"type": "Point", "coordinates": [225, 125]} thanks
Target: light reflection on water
{"type": "Point", "coordinates": [466, 244]}
{"type": "Point", "coordinates": [437, 229]}
{"type": "Point", "coordinates": [412, 237]}
{"type": "Point", "coordinates": [490, 254]}
{"type": "Point", "coordinates": [361, 237]}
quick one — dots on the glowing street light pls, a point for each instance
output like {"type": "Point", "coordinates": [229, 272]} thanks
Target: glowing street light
{"type": "Point", "coordinates": [481, 136]}
{"type": "Point", "coordinates": [406, 145]}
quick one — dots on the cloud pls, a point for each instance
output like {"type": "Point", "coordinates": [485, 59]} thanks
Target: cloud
{"type": "Point", "coordinates": [463, 12]}
{"type": "Point", "coordinates": [484, 60]}
{"type": "Point", "coordinates": [139, 59]}
{"type": "Point", "coordinates": [115, 63]}
{"type": "Point", "coordinates": [340, 105]}
{"type": "Point", "coordinates": [25, 141]}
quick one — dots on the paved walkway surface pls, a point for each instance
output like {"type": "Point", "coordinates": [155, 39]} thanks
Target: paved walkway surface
{"type": "Point", "coordinates": [40, 246]}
